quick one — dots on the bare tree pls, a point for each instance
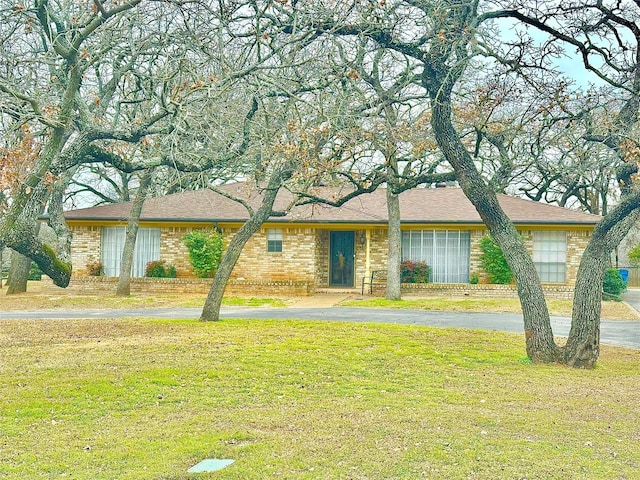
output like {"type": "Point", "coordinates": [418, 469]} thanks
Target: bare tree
{"type": "Point", "coordinates": [124, 281]}
{"type": "Point", "coordinates": [69, 72]}
{"type": "Point", "coordinates": [442, 40]}
{"type": "Point", "coordinates": [607, 36]}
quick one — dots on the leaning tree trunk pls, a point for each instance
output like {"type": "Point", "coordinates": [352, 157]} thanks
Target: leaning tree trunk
{"type": "Point", "coordinates": [393, 258]}
{"type": "Point", "coordinates": [211, 309]}
{"type": "Point", "coordinates": [19, 270]}
{"type": "Point", "coordinates": [124, 280]}
{"type": "Point", "coordinates": [583, 344]}
{"type": "Point", "coordinates": [540, 343]}
{"type": "Point", "coordinates": [18, 273]}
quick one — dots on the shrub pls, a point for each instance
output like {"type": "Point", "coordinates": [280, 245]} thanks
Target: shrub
{"type": "Point", "coordinates": [205, 251]}
{"type": "Point", "coordinates": [474, 280]}
{"type": "Point", "coordinates": [634, 256]}
{"type": "Point", "coordinates": [493, 262]}
{"type": "Point", "coordinates": [158, 269]}
{"type": "Point", "coordinates": [95, 269]}
{"type": "Point", "coordinates": [613, 283]}
{"type": "Point", "coordinates": [34, 272]}
{"type": "Point", "coordinates": [414, 272]}
{"type": "Point", "coordinates": [172, 272]}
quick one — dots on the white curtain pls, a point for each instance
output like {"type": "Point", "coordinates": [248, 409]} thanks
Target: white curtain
{"type": "Point", "coordinates": [550, 255]}
{"type": "Point", "coordinates": [447, 252]}
{"type": "Point", "coordinates": [147, 249]}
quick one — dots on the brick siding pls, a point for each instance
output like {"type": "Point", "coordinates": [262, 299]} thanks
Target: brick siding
{"type": "Point", "coordinates": [85, 247]}
{"type": "Point", "coordinates": [96, 285]}
{"type": "Point", "coordinates": [304, 257]}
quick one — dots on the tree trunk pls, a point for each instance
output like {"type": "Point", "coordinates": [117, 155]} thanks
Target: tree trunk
{"type": "Point", "coordinates": [124, 280]}
{"type": "Point", "coordinates": [19, 270]}
{"type": "Point", "coordinates": [18, 273]}
{"type": "Point", "coordinates": [394, 252]}
{"type": "Point", "coordinates": [538, 333]}
{"type": "Point", "coordinates": [583, 344]}
{"type": "Point", "coordinates": [211, 309]}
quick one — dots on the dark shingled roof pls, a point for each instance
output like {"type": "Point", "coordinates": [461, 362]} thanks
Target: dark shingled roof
{"type": "Point", "coordinates": [420, 205]}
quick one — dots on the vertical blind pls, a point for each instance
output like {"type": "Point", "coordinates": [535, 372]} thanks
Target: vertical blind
{"type": "Point", "coordinates": [446, 252]}
{"type": "Point", "coordinates": [147, 250]}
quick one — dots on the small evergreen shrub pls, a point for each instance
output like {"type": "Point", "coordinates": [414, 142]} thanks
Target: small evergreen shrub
{"type": "Point", "coordinates": [172, 272]}
{"type": "Point", "coordinates": [414, 272]}
{"type": "Point", "coordinates": [34, 272]}
{"type": "Point", "coordinates": [493, 262]}
{"type": "Point", "coordinates": [634, 256]}
{"type": "Point", "coordinates": [613, 283]}
{"type": "Point", "coordinates": [158, 269]}
{"type": "Point", "coordinates": [205, 251]}
{"type": "Point", "coordinates": [474, 280]}
{"type": "Point", "coordinates": [95, 269]}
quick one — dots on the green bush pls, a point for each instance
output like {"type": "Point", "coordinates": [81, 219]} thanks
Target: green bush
{"type": "Point", "coordinates": [158, 269]}
{"type": "Point", "coordinates": [34, 272]}
{"type": "Point", "coordinates": [205, 251]}
{"type": "Point", "coordinates": [634, 256]}
{"type": "Point", "coordinates": [172, 272]}
{"type": "Point", "coordinates": [414, 272]}
{"type": "Point", "coordinates": [493, 262]}
{"type": "Point", "coordinates": [613, 283]}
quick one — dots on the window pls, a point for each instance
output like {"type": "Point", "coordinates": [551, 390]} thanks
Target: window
{"type": "Point", "coordinates": [445, 251]}
{"type": "Point", "coordinates": [274, 240]}
{"type": "Point", "coordinates": [147, 250]}
{"type": "Point", "coordinates": [550, 256]}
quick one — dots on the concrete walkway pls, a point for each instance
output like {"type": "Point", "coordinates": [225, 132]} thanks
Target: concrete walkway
{"type": "Point", "coordinates": [632, 297]}
{"type": "Point", "coordinates": [323, 299]}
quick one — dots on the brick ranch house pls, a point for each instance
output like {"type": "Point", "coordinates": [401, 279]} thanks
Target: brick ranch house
{"type": "Point", "coordinates": [317, 246]}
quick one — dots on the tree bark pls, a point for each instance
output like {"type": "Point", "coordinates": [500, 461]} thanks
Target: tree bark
{"type": "Point", "coordinates": [124, 280]}
{"type": "Point", "coordinates": [394, 252]}
{"type": "Point", "coordinates": [19, 270]}
{"type": "Point", "coordinates": [18, 273]}
{"type": "Point", "coordinates": [540, 343]}
{"type": "Point", "coordinates": [211, 309]}
{"type": "Point", "coordinates": [583, 344]}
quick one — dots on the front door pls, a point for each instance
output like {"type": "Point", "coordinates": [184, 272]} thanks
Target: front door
{"type": "Point", "coordinates": [341, 258]}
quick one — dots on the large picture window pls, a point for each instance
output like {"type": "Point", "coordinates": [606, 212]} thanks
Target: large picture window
{"type": "Point", "coordinates": [550, 256]}
{"type": "Point", "coordinates": [147, 250]}
{"type": "Point", "coordinates": [445, 251]}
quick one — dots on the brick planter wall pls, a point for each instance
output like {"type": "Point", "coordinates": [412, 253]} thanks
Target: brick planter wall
{"type": "Point", "coordinates": [189, 285]}
{"type": "Point", "coordinates": [555, 292]}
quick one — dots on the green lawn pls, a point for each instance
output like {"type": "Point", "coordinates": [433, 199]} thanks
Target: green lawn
{"type": "Point", "coordinates": [610, 310]}
{"type": "Point", "coordinates": [147, 399]}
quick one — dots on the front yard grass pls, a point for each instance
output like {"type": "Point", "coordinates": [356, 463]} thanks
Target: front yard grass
{"type": "Point", "coordinates": [148, 399]}
{"type": "Point", "coordinates": [610, 310]}
{"type": "Point", "coordinates": [48, 297]}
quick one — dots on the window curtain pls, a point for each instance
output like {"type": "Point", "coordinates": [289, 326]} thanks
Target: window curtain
{"type": "Point", "coordinates": [550, 255]}
{"type": "Point", "coordinates": [447, 252]}
{"type": "Point", "coordinates": [147, 250]}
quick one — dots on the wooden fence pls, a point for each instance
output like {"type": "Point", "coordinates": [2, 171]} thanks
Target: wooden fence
{"type": "Point", "coordinates": [634, 276]}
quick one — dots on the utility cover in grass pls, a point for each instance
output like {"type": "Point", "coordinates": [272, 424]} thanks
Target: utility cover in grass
{"type": "Point", "coordinates": [210, 465]}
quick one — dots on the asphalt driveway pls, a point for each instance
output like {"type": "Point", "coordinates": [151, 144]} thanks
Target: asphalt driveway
{"type": "Point", "coordinates": [614, 332]}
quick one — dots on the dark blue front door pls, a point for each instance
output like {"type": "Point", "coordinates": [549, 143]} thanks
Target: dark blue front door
{"type": "Point", "coordinates": [341, 259]}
